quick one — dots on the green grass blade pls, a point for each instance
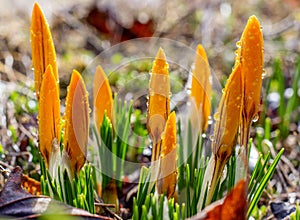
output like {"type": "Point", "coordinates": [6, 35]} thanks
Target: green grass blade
{"type": "Point", "coordinates": [261, 174]}
{"type": "Point", "coordinates": [263, 183]}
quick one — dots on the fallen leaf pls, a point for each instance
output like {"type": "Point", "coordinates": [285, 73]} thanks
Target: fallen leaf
{"type": "Point", "coordinates": [31, 185]}
{"type": "Point", "coordinates": [16, 202]}
{"type": "Point", "coordinates": [233, 207]}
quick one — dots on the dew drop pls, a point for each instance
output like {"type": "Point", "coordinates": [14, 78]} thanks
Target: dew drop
{"type": "Point", "coordinates": [212, 137]}
{"type": "Point", "coordinates": [210, 121]}
{"type": "Point", "coordinates": [263, 74]}
{"type": "Point", "coordinates": [189, 91]}
{"type": "Point", "coordinates": [217, 116]}
{"type": "Point", "coordinates": [288, 93]}
{"type": "Point", "coordinates": [31, 104]}
{"type": "Point", "coordinates": [238, 44]}
{"type": "Point", "coordinates": [255, 118]}
{"type": "Point", "coordinates": [152, 93]}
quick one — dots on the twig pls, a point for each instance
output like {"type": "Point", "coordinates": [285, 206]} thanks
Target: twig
{"type": "Point", "coordinates": [4, 172]}
{"type": "Point", "coordinates": [112, 213]}
{"type": "Point", "coordinates": [6, 165]}
{"type": "Point", "coordinates": [16, 76]}
{"type": "Point", "coordinates": [25, 131]}
{"type": "Point", "coordinates": [17, 154]}
{"type": "Point", "coordinates": [290, 165]}
{"type": "Point", "coordinates": [99, 202]}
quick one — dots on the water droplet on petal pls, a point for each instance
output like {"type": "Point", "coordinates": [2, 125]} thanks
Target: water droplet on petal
{"type": "Point", "coordinates": [210, 121]}
{"type": "Point", "coordinates": [217, 116]}
{"type": "Point", "coordinates": [263, 74]}
{"type": "Point", "coordinates": [255, 118]}
{"type": "Point", "coordinates": [152, 93]}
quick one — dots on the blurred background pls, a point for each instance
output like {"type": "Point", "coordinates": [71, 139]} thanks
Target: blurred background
{"type": "Point", "coordinates": [83, 29]}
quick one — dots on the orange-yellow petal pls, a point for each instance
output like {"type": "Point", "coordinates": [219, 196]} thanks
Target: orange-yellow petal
{"type": "Point", "coordinates": [201, 87]}
{"type": "Point", "coordinates": [251, 60]}
{"type": "Point", "coordinates": [103, 101]}
{"type": "Point", "coordinates": [228, 115]}
{"type": "Point", "coordinates": [159, 100]}
{"type": "Point", "coordinates": [43, 52]}
{"type": "Point", "coordinates": [168, 171]}
{"type": "Point", "coordinates": [226, 126]}
{"type": "Point", "coordinates": [48, 114]}
{"type": "Point", "coordinates": [76, 122]}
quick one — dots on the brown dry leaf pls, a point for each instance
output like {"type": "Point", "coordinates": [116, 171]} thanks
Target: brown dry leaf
{"type": "Point", "coordinates": [103, 101]}
{"type": "Point", "coordinates": [167, 177]}
{"type": "Point", "coordinates": [76, 122]}
{"type": "Point", "coordinates": [159, 101]}
{"type": "Point", "coordinates": [43, 52]}
{"type": "Point", "coordinates": [15, 202]}
{"type": "Point", "coordinates": [31, 185]}
{"type": "Point", "coordinates": [49, 115]}
{"type": "Point", "coordinates": [234, 206]}
{"type": "Point", "coordinates": [201, 87]}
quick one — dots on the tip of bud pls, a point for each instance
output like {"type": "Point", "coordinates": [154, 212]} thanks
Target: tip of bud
{"type": "Point", "coordinates": [253, 22]}
{"type": "Point", "coordinates": [160, 54]}
{"type": "Point", "coordinates": [201, 52]}
{"type": "Point", "coordinates": [36, 8]}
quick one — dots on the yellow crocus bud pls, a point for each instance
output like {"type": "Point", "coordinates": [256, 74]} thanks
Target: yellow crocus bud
{"type": "Point", "coordinates": [76, 123]}
{"type": "Point", "coordinates": [43, 52]}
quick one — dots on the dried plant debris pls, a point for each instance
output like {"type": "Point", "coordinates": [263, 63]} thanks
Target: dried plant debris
{"type": "Point", "coordinates": [16, 202]}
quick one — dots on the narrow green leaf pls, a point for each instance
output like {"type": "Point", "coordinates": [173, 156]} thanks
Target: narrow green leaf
{"type": "Point", "coordinates": [263, 183]}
